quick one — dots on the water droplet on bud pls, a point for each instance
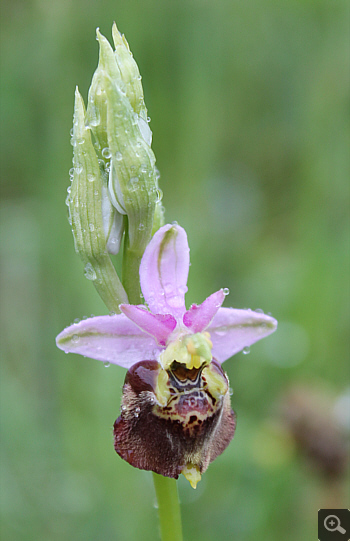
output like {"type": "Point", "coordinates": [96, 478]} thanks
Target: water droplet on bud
{"type": "Point", "coordinates": [89, 272]}
{"type": "Point", "coordinates": [106, 153]}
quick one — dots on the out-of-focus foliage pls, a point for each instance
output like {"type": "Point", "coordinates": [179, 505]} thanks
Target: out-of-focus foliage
{"type": "Point", "coordinates": [250, 126]}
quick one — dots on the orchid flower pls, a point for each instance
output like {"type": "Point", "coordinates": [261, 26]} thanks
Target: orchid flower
{"type": "Point", "coordinates": [176, 414]}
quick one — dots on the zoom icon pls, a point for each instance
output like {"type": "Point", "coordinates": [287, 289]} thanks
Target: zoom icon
{"type": "Point", "coordinates": [334, 525]}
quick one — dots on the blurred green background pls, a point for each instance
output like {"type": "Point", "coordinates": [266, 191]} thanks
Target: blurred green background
{"type": "Point", "coordinates": [248, 102]}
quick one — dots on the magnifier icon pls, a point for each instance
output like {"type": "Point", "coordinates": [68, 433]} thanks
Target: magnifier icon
{"type": "Point", "coordinates": [332, 524]}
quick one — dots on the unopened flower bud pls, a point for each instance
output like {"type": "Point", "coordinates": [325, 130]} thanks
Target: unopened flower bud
{"type": "Point", "coordinates": [132, 178]}
{"type": "Point", "coordinates": [94, 221]}
{"type": "Point", "coordinates": [117, 117]}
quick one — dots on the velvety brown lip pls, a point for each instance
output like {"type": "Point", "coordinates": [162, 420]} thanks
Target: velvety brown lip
{"type": "Point", "coordinates": [193, 427]}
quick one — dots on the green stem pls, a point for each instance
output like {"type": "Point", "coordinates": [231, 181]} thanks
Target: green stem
{"type": "Point", "coordinates": [130, 274]}
{"type": "Point", "coordinates": [131, 270]}
{"type": "Point", "coordinates": [168, 508]}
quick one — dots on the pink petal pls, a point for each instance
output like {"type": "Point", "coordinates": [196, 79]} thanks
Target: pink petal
{"type": "Point", "coordinates": [113, 339]}
{"type": "Point", "coordinates": [233, 330]}
{"type": "Point", "coordinates": [164, 270]}
{"type": "Point", "coordinates": [158, 325]}
{"type": "Point", "coordinates": [197, 318]}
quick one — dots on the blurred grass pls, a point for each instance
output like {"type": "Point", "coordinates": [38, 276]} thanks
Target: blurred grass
{"type": "Point", "coordinates": [249, 108]}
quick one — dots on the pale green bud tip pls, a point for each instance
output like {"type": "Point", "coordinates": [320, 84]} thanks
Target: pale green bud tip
{"type": "Point", "coordinates": [129, 73]}
{"type": "Point", "coordinates": [79, 115]}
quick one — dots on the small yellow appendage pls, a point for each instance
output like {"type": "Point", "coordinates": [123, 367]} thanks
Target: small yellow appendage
{"type": "Point", "coordinates": [192, 474]}
{"type": "Point", "coordinates": [192, 350]}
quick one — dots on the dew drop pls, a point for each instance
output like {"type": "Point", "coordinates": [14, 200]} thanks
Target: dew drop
{"type": "Point", "coordinates": [137, 412]}
{"type": "Point", "coordinates": [107, 364]}
{"type": "Point", "coordinates": [143, 168]}
{"type": "Point", "coordinates": [95, 118]}
{"type": "Point", "coordinates": [91, 227]}
{"type": "Point", "coordinates": [90, 178]}
{"type": "Point", "coordinates": [246, 350]}
{"type": "Point", "coordinates": [230, 391]}
{"type": "Point", "coordinates": [76, 321]}
{"type": "Point", "coordinates": [75, 338]}
{"type": "Point", "coordinates": [106, 153]}
{"type": "Point", "coordinates": [119, 156]}
{"type": "Point", "coordinates": [259, 310]}
{"type": "Point", "coordinates": [159, 195]}
{"type": "Point", "coordinates": [89, 272]}
{"type": "Point", "coordinates": [226, 291]}
{"type": "Point", "coordinates": [134, 181]}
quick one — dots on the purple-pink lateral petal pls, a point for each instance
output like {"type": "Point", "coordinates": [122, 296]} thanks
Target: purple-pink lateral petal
{"type": "Point", "coordinates": [198, 317]}
{"type": "Point", "coordinates": [232, 330]}
{"type": "Point", "coordinates": [164, 271]}
{"type": "Point", "coordinates": [113, 339]}
{"type": "Point", "coordinates": [160, 326]}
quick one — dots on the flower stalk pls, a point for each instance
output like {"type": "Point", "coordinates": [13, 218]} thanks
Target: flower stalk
{"type": "Point", "coordinates": [168, 508]}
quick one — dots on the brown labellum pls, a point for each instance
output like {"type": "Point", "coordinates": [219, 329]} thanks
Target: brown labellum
{"type": "Point", "coordinates": [194, 427]}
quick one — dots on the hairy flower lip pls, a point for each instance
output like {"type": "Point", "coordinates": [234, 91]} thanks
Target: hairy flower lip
{"type": "Point", "coordinates": [183, 436]}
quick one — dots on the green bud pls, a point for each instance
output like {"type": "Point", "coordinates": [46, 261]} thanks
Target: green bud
{"type": "Point", "coordinates": [117, 116]}
{"type": "Point", "coordinates": [112, 146]}
{"type": "Point", "coordinates": [129, 72]}
{"type": "Point", "coordinates": [95, 223]}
